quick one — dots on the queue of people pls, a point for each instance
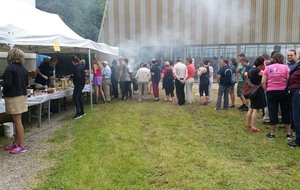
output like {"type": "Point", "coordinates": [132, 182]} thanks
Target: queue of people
{"type": "Point", "coordinates": [279, 90]}
{"type": "Point", "coordinates": [272, 75]}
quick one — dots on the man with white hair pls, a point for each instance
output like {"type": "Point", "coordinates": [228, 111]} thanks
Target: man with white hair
{"type": "Point", "coordinates": [106, 80]}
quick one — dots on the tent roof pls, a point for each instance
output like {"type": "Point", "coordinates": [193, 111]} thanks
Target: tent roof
{"type": "Point", "coordinates": [34, 31]}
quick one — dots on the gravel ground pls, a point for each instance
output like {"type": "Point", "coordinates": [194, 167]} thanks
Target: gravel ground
{"type": "Point", "coordinates": [17, 171]}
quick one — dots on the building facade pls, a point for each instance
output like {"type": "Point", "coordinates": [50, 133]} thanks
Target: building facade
{"type": "Point", "coordinates": [201, 29]}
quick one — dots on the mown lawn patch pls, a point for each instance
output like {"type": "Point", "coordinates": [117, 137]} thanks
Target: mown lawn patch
{"type": "Point", "coordinates": [131, 145]}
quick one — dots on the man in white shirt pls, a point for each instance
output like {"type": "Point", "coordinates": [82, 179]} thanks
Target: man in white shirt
{"type": "Point", "coordinates": [180, 72]}
{"type": "Point", "coordinates": [106, 80]}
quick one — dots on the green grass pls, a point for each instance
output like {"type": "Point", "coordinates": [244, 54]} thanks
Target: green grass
{"type": "Point", "coordinates": [131, 145]}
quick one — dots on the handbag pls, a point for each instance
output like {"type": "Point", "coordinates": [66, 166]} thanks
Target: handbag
{"type": "Point", "coordinates": [250, 89]}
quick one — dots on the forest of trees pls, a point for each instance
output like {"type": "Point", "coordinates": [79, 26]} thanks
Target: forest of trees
{"type": "Point", "coordinates": [83, 16]}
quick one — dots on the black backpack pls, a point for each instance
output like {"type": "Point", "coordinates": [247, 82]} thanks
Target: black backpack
{"type": "Point", "coordinates": [169, 76]}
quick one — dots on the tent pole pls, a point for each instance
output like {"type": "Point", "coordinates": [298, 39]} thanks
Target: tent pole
{"type": "Point", "coordinates": [91, 86]}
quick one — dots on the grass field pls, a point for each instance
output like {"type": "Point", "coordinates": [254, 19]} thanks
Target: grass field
{"type": "Point", "coordinates": [158, 145]}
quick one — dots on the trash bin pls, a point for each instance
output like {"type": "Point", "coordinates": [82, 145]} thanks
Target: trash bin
{"type": "Point", "coordinates": [8, 129]}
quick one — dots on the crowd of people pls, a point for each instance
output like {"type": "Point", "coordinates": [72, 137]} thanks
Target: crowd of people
{"type": "Point", "coordinates": [277, 95]}
{"type": "Point", "coordinates": [274, 77]}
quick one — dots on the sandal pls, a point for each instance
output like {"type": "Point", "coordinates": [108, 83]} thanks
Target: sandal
{"type": "Point", "coordinates": [248, 127]}
{"type": "Point", "coordinates": [255, 130]}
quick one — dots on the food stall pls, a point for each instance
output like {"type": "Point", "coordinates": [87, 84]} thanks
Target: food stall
{"type": "Point", "coordinates": [44, 96]}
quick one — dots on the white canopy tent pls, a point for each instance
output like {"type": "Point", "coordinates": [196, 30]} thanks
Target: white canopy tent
{"type": "Point", "coordinates": [35, 31]}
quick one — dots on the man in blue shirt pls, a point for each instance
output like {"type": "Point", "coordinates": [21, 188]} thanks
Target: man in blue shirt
{"type": "Point", "coordinates": [224, 80]}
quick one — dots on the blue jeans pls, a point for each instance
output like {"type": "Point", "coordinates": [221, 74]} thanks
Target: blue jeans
{"type": "Point", "coordinates": [223, 90]}
{"type": "Point", "coordinates": [296, 114]}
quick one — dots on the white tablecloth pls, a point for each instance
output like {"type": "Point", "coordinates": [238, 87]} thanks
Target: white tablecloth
{"type": "Point", "coordinates": [35, 100]}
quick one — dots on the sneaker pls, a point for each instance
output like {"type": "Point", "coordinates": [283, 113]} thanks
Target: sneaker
{"type": "Point", "coordinates": [269, 136]}
{"type": "Point", "coordinates": [231, 106]}
{"type": "Point", "coordinates": [265, 122]}
{"type": "Point", "coordinates": [293, 143]}
{"type": "Point", "coordinates": [241, 107]}
{"type": "Point", "coordinates": [10, 147]}
{"type": "Point", "coordinates": [245, 108]}
{"type": "Point", "coordinates": [83, 114]}
{"type": "Point", "coordinates": [77, 116]}
{"type": "Point", "coordinates": [289, 137]}
{"type": "Point", "coordinates": [19, 149]}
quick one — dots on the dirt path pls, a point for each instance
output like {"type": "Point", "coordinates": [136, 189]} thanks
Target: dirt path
{"type": "Point", "coordinates": [17, 171]}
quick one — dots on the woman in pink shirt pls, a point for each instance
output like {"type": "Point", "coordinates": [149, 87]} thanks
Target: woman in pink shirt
{"type": "Point", "coordinates": [189, 80]}
{"type": "Point", "coordinates": [97, 80]}
{"type": "Point", "coordinates": [274, 82]}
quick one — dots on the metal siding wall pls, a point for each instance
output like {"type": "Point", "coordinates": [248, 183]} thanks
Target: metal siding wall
{"type": "Point", "coordinates": [187, 24]}
{"type": "Point", "coordinates": [252, 21]}
{"type": "Point", "coordinates": [175, 14]}
{"type": "Point", "coordinates": [283, 21]}
{"type": "Point", "coordinates": [234, 25]}
{"type": "Point", "coordinates": [240, 18]}
{"type": "Point", "coordinates": [170, 20]}
{"type": "Point", "coordinates": [193, 22]}
{"type": "Point", "coordinates": [153, 17]}
{"type": "Point", "coordinates": [165, 22]}
{"type": "Point", "coordinates": [271, 22]}
{"type": "Point", "coordinates": [289, 23]}
{"type": "Point", "coordinates": [143, 22]}
{"type": "Point", "coordinates": [109, 23]}
{"type": "Point", "coordinates": [159, 21]}
{"type": "Point", "coordinates": [295, 21]}
{"type": "Point", "coordinates": [277, 24]}
{"type": "Point", "coordinates": [246, 21]}
{"type": "Point", "coordinates": [206, 27]}
{"type": "Point", "coordinates": [259, 21]}
{"type": "Point", "coordinates": [220, 28]}
{"type": "Point", "coordinates": [132, 18]}
{"type": "Point", "coordinates": [211, 14]}
{"type": "Point", "coordinates": [121, 11]}
{"type": "Point", "coordinates": [138, 21]}
{"type": "Point", "coordinates": [182, 30]}
{"type": "Point", "coordinates": [198, 26]}
{"type": "Point", "coordinates": [201, 22]}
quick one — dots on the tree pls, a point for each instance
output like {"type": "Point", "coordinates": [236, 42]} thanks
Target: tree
{"type": "Point", "coordinates": [83, 17]}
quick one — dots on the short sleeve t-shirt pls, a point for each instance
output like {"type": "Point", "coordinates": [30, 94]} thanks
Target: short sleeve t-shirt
{"type": "Point", "coordinates": [225, 73]}
{"type": "Point", "coordinates": [276, 75]}
{"type": "Point", "coordinates": [254, 76]}
{"type": "Point", "coordinates": [47, 70]}
{"type": "Point", "coordinates": [191, 71]}
{"type": "Point", "coordinates": [123, 68]}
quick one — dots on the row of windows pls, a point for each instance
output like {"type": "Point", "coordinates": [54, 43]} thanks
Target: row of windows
{"type": "Point", "coordinates": [232, 50]}
{"type": "Point", "coordinates": [200, 53]}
